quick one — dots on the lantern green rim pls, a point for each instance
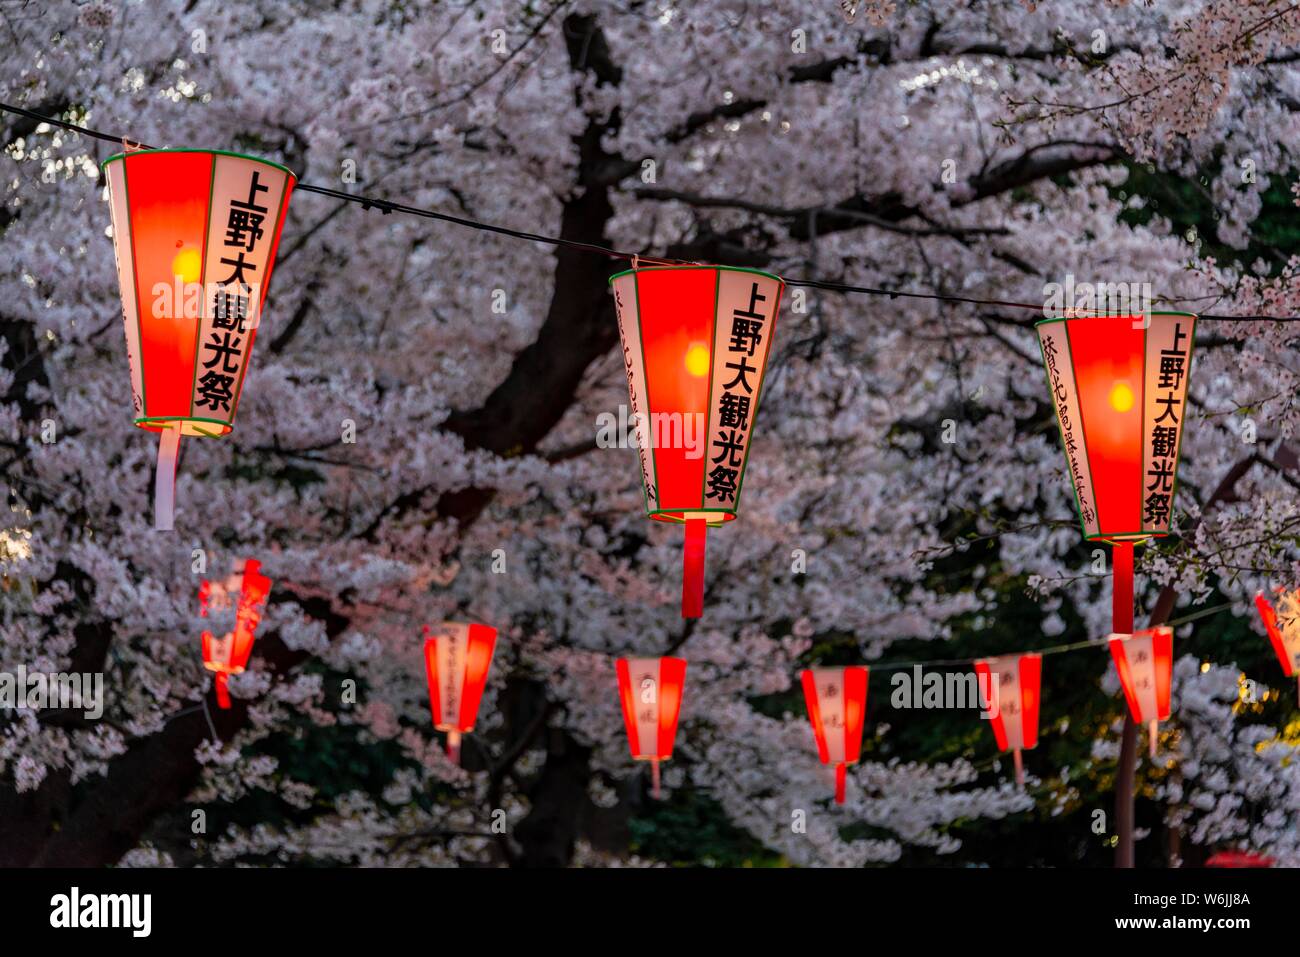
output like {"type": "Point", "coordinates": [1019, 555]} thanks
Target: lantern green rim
{"type": "Point", "coordinates": [255, 159]}
{"type": "Point", "coordinates": [1051, 319]}
{"type": "Point", "coordinates": [150, 420]}
{"type": "Point", "coordinates": [756, 272]}
{"type": "Point", "coordinates": [667, 514]}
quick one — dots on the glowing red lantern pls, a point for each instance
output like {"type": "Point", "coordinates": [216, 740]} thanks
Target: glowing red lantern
{"type": "Point", "coordinates": [1239, 859]}
{"type": "Point", "coordinates": [1145, 662]}
{"type": "Point", "coordinates": [695, 345]}
{"type": "Point", "coordinates": [246, 594]}
{"type": "Point", "coordinates": [1119, 385]}
{"type": "Point", "coordinates": [837, 707]}
{"type": "Point", "coordinates": [1013, 683]}
{"type": "Point", "coordinates": [195, 234]}
{"type": "Point", "coordinates": [650, 690]}
{"type": "Point", "coordinates": [456, 661]}
{"type": "Point", "coordinates": [1283, 631]}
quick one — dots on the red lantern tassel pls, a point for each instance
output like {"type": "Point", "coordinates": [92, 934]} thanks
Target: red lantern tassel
{"type": "Point", "coordinates": [1020, 768]}
{"type": "Point", "coordinates": [223, 693]}
{"type": "Point", "coordinates": [1121, 607]}
{"type": "Point", "coordinates": [164, 480]}
{"type": "Point", "coordinates": [1153, 732]}
{"type": "Point", "coordinates": [654, 777]}
{"type": "Point", "coordinates": [693, 568]}
{"type": "Point", "coordinates": [841, 776]}
{"type": "Point", "coordinates": [453, 747]}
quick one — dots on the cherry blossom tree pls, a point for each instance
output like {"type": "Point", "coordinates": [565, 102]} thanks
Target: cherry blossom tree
{"type": "Point", "coordinates": [418, 437]}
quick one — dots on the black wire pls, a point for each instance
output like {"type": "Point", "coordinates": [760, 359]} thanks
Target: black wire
{"type": "Point", "coordinates": [386, 206]}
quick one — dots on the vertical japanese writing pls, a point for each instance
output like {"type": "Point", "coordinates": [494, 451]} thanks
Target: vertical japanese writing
{"type": "Point", "coordinates": [636, 387]}
{"type": "Point", "coordinates": [1060, 380]}
{"type": "Point", "coordinates": [743, 333]}
{"type": "Point", "coordinates": [1165, 425]}
{"type": "Point", "coordinates": [234, 301]}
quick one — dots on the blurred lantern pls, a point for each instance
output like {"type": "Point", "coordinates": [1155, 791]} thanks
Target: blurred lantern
{"type": "Point", "coordinates": [650, 690]}
{"type": "Point", "coordinates": [195, 234]}
{"type": "Point", "coordinates": [695, 344]}
{"type": "Point", "coordinates": [1119, 385]}
{"type": "Point", "coordinates": [1145, 663]}
{"type": "Point", "coordinates": [1239, 859]}
{"type": "Point", "coordinates": [837, 707]}
{"type": "Point", "coordinates": [456, 660]}
{"type": "Point", "coordinates": [1283, 631]}
{"type": "Point", "coordinates": [1012, 683]}
{"type": "Point", "coordinates": [245, 594]}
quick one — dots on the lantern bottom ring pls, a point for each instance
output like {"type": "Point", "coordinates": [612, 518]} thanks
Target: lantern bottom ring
{"type": "Point", "coordinates": [189, 425]}
{"type": "Point", "coordinates": [1124, 538]}
{"type": "Point", "coordinates": [679, 516]}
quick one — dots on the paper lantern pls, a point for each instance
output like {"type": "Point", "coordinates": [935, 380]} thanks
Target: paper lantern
{"type": "Point", "coordinates": [1283, 631]}
{"type": "Point", "coordinates": [1014, 682]}
{"type": "Point", "coordinates": [837, 707]}
{"type": "Point", "coordinates": [1239, 859]}
{"type": "Point", "coordinates": [195, 234]}
{"type": "Point", "coordinates": [456, 661]}
{"type": "Point", "coordinates": [245, 593]}
{"type": "Point", "coordinates": [1119, 387]}
{"type": "Point", "coordinates": [1145, 661]}
{"type": "Point", "coordinates": [695, 345]}
{"type": "Point", "coordinates": [650, 690]}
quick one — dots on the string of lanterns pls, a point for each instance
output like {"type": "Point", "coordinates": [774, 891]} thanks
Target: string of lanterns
{"type": "Point", "coordinates": [458, 657]}
{"type": "Point", "coordinates": [695, 340]}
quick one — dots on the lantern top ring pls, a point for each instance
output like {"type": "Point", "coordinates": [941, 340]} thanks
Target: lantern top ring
{"type": "Point", "coordinates": [756, 272]}
{"type": "Point", "coordinates": [253, 159]}
{"type": "Point", "coordinates": [1116, 315]}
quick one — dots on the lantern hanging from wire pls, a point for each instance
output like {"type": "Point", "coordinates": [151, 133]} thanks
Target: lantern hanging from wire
{"type": "Point", "coordinates": [1012, 683]}
{"type": "Point", "coordinates": [195, 234]}
{"type": "Point", "coordinates": [650, 691]}
{"type": "Point", "coordinates": [696, 340]}
{"type": "Point", "coordinates": [244, 594]}
{"type": "Point", "coordinates": [1119, 388]}
{"type": "Point", "coordinates": [1283, 627]}
{"type": "Point", "coordinates": [837, 707]}
{"type": "Point", "coordinates": [1145, 662]}
{"type": "Point", "coordinates": [457, 658]}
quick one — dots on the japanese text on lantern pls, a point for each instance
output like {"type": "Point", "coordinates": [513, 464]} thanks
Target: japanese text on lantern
{"type": "Point", "coordinates": [1164, 419]}
{"type": "Point", "coordinates": [1064, 393]}
{"type": "Point", "coordinates": [632, 361]}
{"type": "Point", "coordinates": [453, 674]}
{"type": "Point", "coordinates": [235, 303]}
{"type": "Point", "coordinates": [743, 333]}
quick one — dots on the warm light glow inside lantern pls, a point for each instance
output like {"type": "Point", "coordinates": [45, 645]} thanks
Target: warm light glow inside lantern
{"type": "Point", "coordinates": [1119, 388]}
{"type": "Point", "coordinates": [195, 234]}
{"type": "Point", "coordinates": [1145, 664]}
{"type": "Point", "coordinates": [457, 659]}
{"type": "Point", "coordinates": [1010, 686]}
{"type": "Point", "coordinates": [650, 691]}
{"type": "Point", "coordinates": [695, 346]}
{"type": "Point", "coordinates": [837, 707]}
{"type": "Point", "coordinates": [245, 594]}
{"type": "Point", "coordinates": [1283, 627]}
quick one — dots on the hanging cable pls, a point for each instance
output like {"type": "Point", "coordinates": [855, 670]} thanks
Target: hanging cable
{"type": "Point", "coordinates": [387, 206]}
